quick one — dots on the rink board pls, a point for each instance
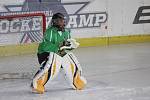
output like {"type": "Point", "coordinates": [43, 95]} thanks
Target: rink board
{"type": "Point", "coordinates": [10, 50]}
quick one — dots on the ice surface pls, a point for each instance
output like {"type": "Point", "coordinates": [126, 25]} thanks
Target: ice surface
{"type": "Point", "coordinates": [117, 72]}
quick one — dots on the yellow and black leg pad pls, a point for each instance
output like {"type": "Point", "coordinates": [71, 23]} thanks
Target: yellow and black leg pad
{"type": "Point", "coordinates": [49, 72]}
{"type": "Point", "coordinates": [79, 82]}
{"type": "Point", "coordinates": [39, 88]}
{"type": "Point", "coordinates": [73, 72]}
{"type": "Point", "coordinates": [38, 84]}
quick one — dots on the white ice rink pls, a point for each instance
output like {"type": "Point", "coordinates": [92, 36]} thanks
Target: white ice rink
{"type": "Point", "coordinates": [117, 72]}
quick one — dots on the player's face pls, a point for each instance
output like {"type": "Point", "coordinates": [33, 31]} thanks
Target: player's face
{"type": "Point", "coordinates": [61, 23]}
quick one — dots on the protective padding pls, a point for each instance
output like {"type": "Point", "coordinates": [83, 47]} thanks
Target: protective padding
{"type": "Point", "coordinates": [73, 71]}
{"type": "Point", "coordinates": [49, 71]}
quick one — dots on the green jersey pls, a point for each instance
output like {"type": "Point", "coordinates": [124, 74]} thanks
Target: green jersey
{"type": "Point", "coordinates": [52, 40]}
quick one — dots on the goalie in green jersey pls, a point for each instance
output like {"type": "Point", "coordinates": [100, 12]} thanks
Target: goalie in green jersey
{"type": "Point", "coordinates": [54, 52]}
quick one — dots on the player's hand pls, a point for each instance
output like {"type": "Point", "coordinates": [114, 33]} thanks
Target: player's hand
{"type": "Point", "coordinates": [70, 44]}
{"type": "Point", "coordinates": [61, 53]}
{"type": "Point", "coordinates": [64, 43]}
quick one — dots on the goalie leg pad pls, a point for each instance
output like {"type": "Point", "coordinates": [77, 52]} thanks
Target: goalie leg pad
{"type": "Point", "coordinates": [73, 71]}
{"type": "Point", "coordinates": [48, 71]}
{"type": "Point", "coordinates": [79, 82]}
{"type": "Point", "coordinates": [38, 86]}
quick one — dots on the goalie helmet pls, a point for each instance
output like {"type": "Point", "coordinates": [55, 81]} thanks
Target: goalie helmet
{"type": "Point", "coordinates": [58, 21]}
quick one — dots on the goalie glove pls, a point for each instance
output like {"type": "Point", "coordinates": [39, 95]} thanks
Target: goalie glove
{"type": "Point", "coordinates": [71, 44]}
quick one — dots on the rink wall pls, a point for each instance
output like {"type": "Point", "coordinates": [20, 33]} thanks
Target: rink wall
{"type": "Point", "coordinates": [91, 22]}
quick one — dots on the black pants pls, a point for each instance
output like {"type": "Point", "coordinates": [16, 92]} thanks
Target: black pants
{"type": "Point", "coordinates": [43, 57]}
